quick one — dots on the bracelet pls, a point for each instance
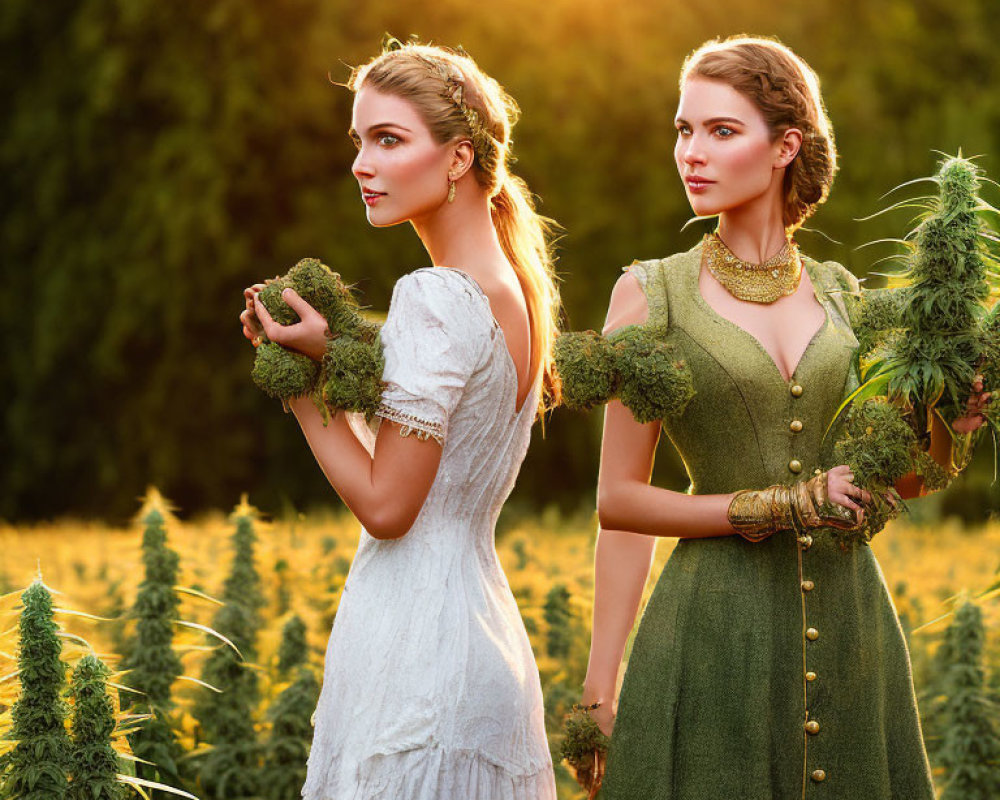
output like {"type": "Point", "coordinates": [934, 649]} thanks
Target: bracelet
{"type": "Point", "coordinates": [591, 707]}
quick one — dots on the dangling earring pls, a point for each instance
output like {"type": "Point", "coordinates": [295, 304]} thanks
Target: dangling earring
{"type": "Point", "coordinates": [451, 190]}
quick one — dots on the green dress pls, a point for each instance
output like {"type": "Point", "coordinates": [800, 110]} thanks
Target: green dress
{"type": "Point", "coordinates": [774, 670]}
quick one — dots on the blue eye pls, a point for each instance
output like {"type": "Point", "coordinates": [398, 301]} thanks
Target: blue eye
{"type": "Point", "coordinates": [683, 130]}
{"type": "Point", "coordinates": [388, 140]}
{"type": "Point", "coordinates": [724, 131]}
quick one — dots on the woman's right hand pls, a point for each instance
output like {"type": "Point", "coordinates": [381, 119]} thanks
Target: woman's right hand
{"type": "Point", "coordinates": [252, 329]}
{"type": "Point", "coordinates": [841, 490]}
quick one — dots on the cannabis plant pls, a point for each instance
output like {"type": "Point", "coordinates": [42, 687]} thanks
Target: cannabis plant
{"type": "Point", "coordinates": [94, 763]}
{"type": "Point", "coordinates": [36, 768]}
{"type": "Point", "coordinates": [350, 375]}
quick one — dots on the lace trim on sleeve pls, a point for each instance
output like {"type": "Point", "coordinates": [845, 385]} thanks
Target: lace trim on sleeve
{"type": "Point", "coordinates": [422, 428]}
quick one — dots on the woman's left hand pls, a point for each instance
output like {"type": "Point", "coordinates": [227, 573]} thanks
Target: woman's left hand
{"type": "Point", "coordinates": [975, 408]}
{"type": "Point", "coordinates": [308, 336]}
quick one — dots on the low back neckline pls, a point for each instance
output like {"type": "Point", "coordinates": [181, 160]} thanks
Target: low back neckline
{"type": "Point", "coordinates": [509, 360]}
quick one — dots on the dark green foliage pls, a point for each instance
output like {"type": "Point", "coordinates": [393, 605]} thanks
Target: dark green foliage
{"type": "Point", "coordinates": [321, 288]}
{"type": "Point", "coordinates": [294, 649]}
{"type": "Point", "coordinates": [232, 767]}
{"type": "Point", "coordinates": [36, 768]}
{"type": "Point", "coordinates": [582, 742]}
{"type": "Point", "coordinates": [351, 371]}
{"type": "Point", "coordinates": [94, 761]}
{"type": "Point", "coordinates": [587, 370]}
{"type": "Point", "coordinates": [655, 382]}
{"type": "Point", "coordinates": [880, 447]}
{"type": "Point", "coordinates": [284, 595]}
{"type": "Point", "coordinates": [921, 346]}
{"type": "Point", "coordinates": [991, 350]}
{"type": "Point", "coordinates": [636, 363]}
{"type": "Point", "coordinates": [229, 156]}
{"type": "Point", "coordinates": [878, 443]}
{"type": "Point", "coordinates": [152, 664]}
{"type": "Point", "coordinates": [281, 373]}
{"type": "Point", "coordinates": [948, 277]}
{"type": "Point", "coordinates": [287, 750]}
{"type": "Point", "coordinates": [970, 746]}
{"type": "Point", "coordinates": [880, 311]}
{"type": "Point", "coordinates": [558, 616]}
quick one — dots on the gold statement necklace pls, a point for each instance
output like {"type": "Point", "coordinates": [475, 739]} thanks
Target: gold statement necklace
{"type": "Point", "coordinates": [759, 283]}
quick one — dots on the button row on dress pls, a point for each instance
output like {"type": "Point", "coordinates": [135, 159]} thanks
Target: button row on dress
{"type": "Point", "coordinates": [795, 426]}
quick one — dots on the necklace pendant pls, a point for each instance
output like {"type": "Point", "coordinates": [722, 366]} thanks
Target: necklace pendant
{"type": "Point", "coordinates": [758, 283]}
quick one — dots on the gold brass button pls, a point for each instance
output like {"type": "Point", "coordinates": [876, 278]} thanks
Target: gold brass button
{"type": "Point", "coordinates": [795, 426]}
{"type": "Point", "coordinates": [817, 471]}
{"type": "Point", "coordinates": [806, 541]}
{"type": "Point", "coordinates": [810, 676]}
{"type": "Point", "coordinates": [812, 726]}
{"type": "Point", "coordinates": [812, 634]}
{"type": "Point", "coordinates": [808, 586]}
{"type": "Point", "coordinates": [796, 390]}
{"type": "Point", "coordinates": [795, 465]}
{"type": "Point", "coordinates": [818, 775]}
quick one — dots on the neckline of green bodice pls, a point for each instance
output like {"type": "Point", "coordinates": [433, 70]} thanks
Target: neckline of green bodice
{"type": "Point", "coordinates": [694, 290]}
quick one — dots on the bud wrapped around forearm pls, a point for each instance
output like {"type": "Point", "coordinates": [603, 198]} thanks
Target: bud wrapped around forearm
{"type": "Point", "coordinates": [638, 364]}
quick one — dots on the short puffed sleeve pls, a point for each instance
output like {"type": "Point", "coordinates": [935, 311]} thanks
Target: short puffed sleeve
{"type": "Point", "coordinates": [432, 340]}
{"type": "Point", "coordinates": [652, 277]}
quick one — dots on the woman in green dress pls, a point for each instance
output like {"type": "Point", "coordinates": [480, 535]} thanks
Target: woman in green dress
{"type": "Point", "coordinates": [769, 662]}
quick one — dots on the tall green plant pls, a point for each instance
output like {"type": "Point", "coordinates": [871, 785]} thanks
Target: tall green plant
{"type": "Point", "coordinates": [970, 746]}
{"type": "Point", "coordinates": [36, 768]}
{"type": "Point", "coordinates": [94, 761]}
{"type": "Point", "coordinates": [294, 649]}
{"type": "Point", "coordinates": [232, 767]}
{"type": "Point", "coordinates": [948, 270]}
{"type": "Point", "coordinates": [287, 749]}
{"type": "Point", "coordinates": [923, 343]}
{"type": "Point", "coordinates": [558, 615]}
{"type": "Point", "coordinates": [152, 664]}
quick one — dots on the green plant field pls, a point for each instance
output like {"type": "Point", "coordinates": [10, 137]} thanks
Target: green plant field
{"type": "Point", "coordinates": [303, 562]}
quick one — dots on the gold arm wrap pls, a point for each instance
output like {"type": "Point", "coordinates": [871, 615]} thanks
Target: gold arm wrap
{"type": "Point", "coordinates": [756, 514]}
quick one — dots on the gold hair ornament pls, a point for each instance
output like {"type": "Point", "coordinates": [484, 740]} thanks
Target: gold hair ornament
{"type": "Point", "coordinates": [483, 143]}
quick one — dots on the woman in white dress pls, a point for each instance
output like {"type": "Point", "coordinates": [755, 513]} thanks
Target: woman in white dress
{"type": "Point", "coordinates": [430, 687]}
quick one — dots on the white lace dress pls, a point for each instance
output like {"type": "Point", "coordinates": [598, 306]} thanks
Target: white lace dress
{"type": "Point", "coordinates": [430, 688]}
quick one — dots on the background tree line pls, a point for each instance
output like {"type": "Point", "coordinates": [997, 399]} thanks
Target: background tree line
{"type": "Point", "coordinates": [158, 157]}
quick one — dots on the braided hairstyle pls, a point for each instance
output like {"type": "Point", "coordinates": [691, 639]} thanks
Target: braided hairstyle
{"type": "Point", "coordinates": [786, 91]}
{"type": "Point", "coordinates": [457, 100]}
